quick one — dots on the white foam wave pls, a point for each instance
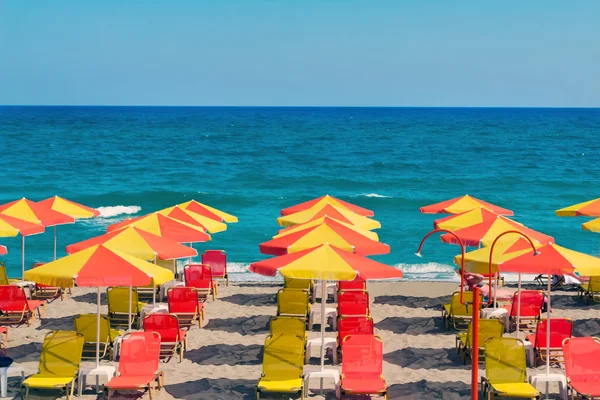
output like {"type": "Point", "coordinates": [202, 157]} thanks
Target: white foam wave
{"type": "Point", "coordinates": [377, 195]}
{"type": "Point", "coordinates": [430, 268]}
{"type": "Point", "coordinates": [113, 211]}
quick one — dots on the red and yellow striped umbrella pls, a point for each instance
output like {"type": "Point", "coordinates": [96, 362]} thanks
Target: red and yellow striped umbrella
{"type": "Point", "coordinates": [325, 220]}
{"type": "Point", "coordinates": [167, 227]}
{"type": "Point", "coordinates": [462, 204]}
{"type": "Point", "coordinates": [192, 218]}
{"type": "Point", "coordinates": [11, 227]}
{"type": "Point", "coordinates": [208, 211]}
{"type": "Point", "coordinates": [329, 210]}
{"type": "Point", "coordinates": [589, 208]}
{"type": "Point", "coordinates": [327, 199]}
{"type": "Point", "coordinates": [68, 207]}
{"type": "Point", "coordinates": [3, 250]}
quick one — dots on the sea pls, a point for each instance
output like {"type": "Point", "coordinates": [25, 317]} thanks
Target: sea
{"type": "Point", "coordinates": [254, 161]}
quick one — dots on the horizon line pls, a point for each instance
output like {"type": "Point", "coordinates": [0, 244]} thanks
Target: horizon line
{"type": "Point", "coordinates": [293, 106]}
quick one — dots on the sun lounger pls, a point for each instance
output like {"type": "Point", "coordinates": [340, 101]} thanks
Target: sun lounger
{"type": "Point", "coordinates": [283, 365]}
{"type": "Point", "coordinates": [590, 290]}
{"type": "Point", "coordinates": [457, 314]}
{"type": "Point", "coordinates": [293, 303]}
{"type": "Point", "coordinates": [362, 366]}
{"type": "Point", "coordinates": [4, 279]}
{"type": "Point", "coordinates": [46, 292]}
{"type": "Point", "coordinates": [59, 363]}
{"type": "Point", "coordinates": [505, 369]}
{"type": "Point", "coordinates": [357, 283]}
{"type": "Point", "coordinates": [118, 307]}
{"type": "Point", "coordinates": [353, 302]}
{"type": "Point", "coordinates": [532, 302]}
{"type": "Point", "coordinates": [138, 365]}
{"type": "Point", "coordinates": [86, 325]}
{"type": "Point", "coordinates": [199, 276]}
{"type": "Point", "coordinates": [217, 261]}
{"type": "Point", "coordinates": [16, 308]}
{"type": "Point", "coordinates": [488, 329]}
{"type": "Point", "coordinates": [353, 325]}
{"type": "Point", "coordinates": [582, 367]}
{"type": "Point", "coordinates": [184, 303]}
{"type": "Point", "coordinates": [288, 325]}
{"type": "Point", "coordinates": [173, 339]}
{"type": "Point", "coordinates": [302, 284]}
{"type": "Point", "coordinates": [560, 329]}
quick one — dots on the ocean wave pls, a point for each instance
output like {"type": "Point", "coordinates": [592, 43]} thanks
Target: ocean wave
{"type": "Point", "coordinates": [113, 211]}
{"type": "Point", "coordinates": [379, 196]}
{"type": "Point", "coordinates": [425, 268]}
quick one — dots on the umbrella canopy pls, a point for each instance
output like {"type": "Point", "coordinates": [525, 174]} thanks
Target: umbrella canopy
{"type": "Point", "coordinates": [208, 211]}
{"type": "Point", "coordinates": [589, 208]}
{"type": "Point", "coordinates": [325, 220]}
{"type": "Point", "coordinates": [329, 210]}
{"type": "Point", "coordinates": [11, 227]}
{"type": "Point", "coordinates": [192, 218]}
{"type": "Point", "coordinates": [327, 199]}
{"type": "Point", "coordinates": [592, 226]}
{"type": "Point", "coordinates": [325, 262]}
{"type": "Point", "coordinates": [70, 208]}
{"type": "Point", "coordinates": [138, 243]}
{"type": "Point", "coordinates": [166, 227]}
{"type": "Point", "coordinates": [461, 204]}
{"type": "Point", "coordinates": [3, 250]}
{"type": "Point", "coordinates": [35, 213]}
{"type": "Point", "coordinates": [480, 226]}
{"type": "Point", "coordinates": [99, 266]}
{"type": "Point", "coordinates": [332, 233]}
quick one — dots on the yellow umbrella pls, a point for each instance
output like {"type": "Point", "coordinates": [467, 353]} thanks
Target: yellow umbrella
{"type": "Point", "coordinates": [185, 215]}
{"type": "Point", "coordinates": [324, 220]}
{"type": "Point", "coordinates": [592, 226]}
{"type": "Point", "coordinates": [329, 210]}
{"type": "Point", "coordinates": [208, 211]}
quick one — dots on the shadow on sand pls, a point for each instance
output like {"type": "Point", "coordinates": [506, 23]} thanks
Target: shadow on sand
{"type": "Point", "coordinates": [214, 389]}
{"type": "Point", "coordinates": [414, 358]}
{"type": "Point", "coordinates": [258, 299]}
{"type": "Point", "coordinates": [430, 390]}
{"type": "Point", "coordinates": [226, 354]}
{"type": "Point", "coordinates": [413, 302]}
{"type": "Point", "coordinates": [254, 325]}
{"type": "Point", "coordinates": [414, 325]}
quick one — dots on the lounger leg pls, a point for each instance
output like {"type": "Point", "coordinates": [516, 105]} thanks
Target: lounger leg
{"type": "Point", "coordinates": [227, 279]}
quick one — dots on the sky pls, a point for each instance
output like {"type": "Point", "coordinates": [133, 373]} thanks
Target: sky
{"type": "Point", "coordinates": [292, 52]}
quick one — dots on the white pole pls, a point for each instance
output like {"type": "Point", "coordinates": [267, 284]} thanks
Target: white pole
{"type": "Point", "coordinates": [496, 275]}
{"type": "Point", "coordinates": [22, 257]}
{"type": "Point", "coordinates": [519, 307]}
{"type": "Point", "coordinates": [323, 300]}
{"type": "Point", "coordinates": [154, 288]}
{"type": "Point", "coordinates": [98, 332]}
{"type": "Point", "coordinates": [191, 245]}
{"type": "Point", "coordinates": [54, 242]}
{"type": "Point", "coordinates": [130, 305]}
{"type": "Point", "coordinates": [548, 329]}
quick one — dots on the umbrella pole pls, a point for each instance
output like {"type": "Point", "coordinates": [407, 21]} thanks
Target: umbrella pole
{"type": "Point", "coordinates": [22, 257]}
{"type": "Point", "coordinates": [519, 307]}
{"type": "Point", "coordinates": [191, 246]}
{"type": "Point", "coordinates": [323, 300]}
{"type": "Point", "coordinates": [130, 305]}
{"type": "Point", "coordinates": [98, 331]}
{"type": "Point", "coordinates": [548, 329]}
{"type": "Point", "coordinates": [154, 288]}
{"type": "Point", "coordinates": [496, 290]}
{"type": "Point", "coordinates": [55, 242]}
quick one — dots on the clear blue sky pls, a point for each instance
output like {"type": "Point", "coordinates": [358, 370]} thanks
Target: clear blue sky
{"type": "Point", "coordinates": [286, 52]}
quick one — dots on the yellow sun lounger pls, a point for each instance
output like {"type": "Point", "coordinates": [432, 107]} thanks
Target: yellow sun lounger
{"type": "Point", "coordinates": [292, 283]}
{"type": "Point", "coordinates": [86, 325]}
{"type": "Point", "coordinates": [288, 326]}
{"type": "Point", "coordinates": [59, 363]}
{"type": "Point", "coordinates": [457, 314]}
{"type": "Point", "coordinates": [118, 307]}
{"type": "Point", "coordinates": [590, 290]}
{"type": "Point", "coordinates": [283, 365]}
{"type": "Point", "coordinates": [488, 329]}
{"type": "Point", "coordinates": [293, 303]}
{"type": "Point", "coordinates": [506, 371]}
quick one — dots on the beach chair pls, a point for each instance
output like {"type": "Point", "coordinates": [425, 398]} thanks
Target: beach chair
{"type": "Point", "coordinates": [59, 363]}
{"type": "Point", "coordinates": [357, 283]}
{"type": "Point", "coordinates": [590, 290]}
{"type": "Point", "coordinates": [288, 325]}
{"type": "Point", "coordinates": [353, 302]}
{"type": "Point", "coordinates": [138, 364]}
{"type": "Point", "coordinates": [46, 292]}
{"type": "Point", "coordinates": [457, 314]}
{"type": "Point", "coordinates": [362, 366]}
{"type": "Point", "coordinates": [560, 329]}
{"type": "Point", "coordinates": [217, 261]}
{"type": "Point", "coordinates": [16, 308]}
{"type": "Point", "coordinates": [532, 302]}
{"type": "Point", "coordinates": [86, 325]}
{"type": "Point", "coordinates": [283, 365]}
{"type": "Point", "coordinates": [505, 369]}
{"type": "Point", "coordinates": [199, 276]}
{"type": "Point", "coordinates": [173, 339]}
{"type": "Point", "coordinates": [353, 325]}
{"type": "Point", "coordinates": [488, 329]}
{"type": "Point", "coordinates": [147, 294]}
{"type": "Point", "coordinates": [4, 279]}
{"type": "Point", "coordinates": [293, 303]}
{"type": "Point", "coordinates": [582, 368]}
{"type": "Point", "coordinates": [302, 284]}
{"type": "Point", "coordinates": [118, 307]}
{"type": "Point", "coordinates": [184, 304]}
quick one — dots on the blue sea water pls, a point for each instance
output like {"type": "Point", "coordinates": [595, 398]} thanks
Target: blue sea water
{"type": "Point", "coordinates": [252, 162]}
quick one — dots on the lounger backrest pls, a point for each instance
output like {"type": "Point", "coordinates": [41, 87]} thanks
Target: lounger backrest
{"type": "Point", "coordinates": [12, 293]}
{"type": "Point", "coordinates": [353, 302]}
{"type": "Point", "coordinates": [140, 352]}
{"type": "Point", "coordinates": [560, 329]}
{"type": "Point", "coordinates": [488, 329]}
{"type": "Point", "coordinates": [505, 360]}
{"type": "Point", "coordinates": [118, 300]}
{"type": "Point", "coordinates": [3, 275]}
{"type": "Point", "coordinates": [283, 357]}
{"type": "Point", "coordinates": [357, 284]}
{"type": "Point", "coordinates": [182, 300]}
{"type": "Point", "coordinates": [287, 325]}
{"type": "Point", "coordinates": [61, 353]}
{"type": "Point", "coordinates": [581, 356]}
{"type": "Point", "coordinates": [594, 284]}
{"type": "Point", "coordinates": [354, 325]}
{"type": "Point", "coordinates": [197, 275]}
{"type": "Point", "coordinates": [532, 302]}
{"type": "Point", "coordinates": [291, 301]}
{"type": "Point", "coordinates": [291, 283]}
{"type": "Point", "coordinates": [216, 260]}
{"type": "Point", "coordinates": [459, 309]}
{"type": "Point", "coordinates": [85, 324]}
{"type": "Point", "coordinates": [362, 356]}
{"type": "Point", "coordinates": [166, 325]}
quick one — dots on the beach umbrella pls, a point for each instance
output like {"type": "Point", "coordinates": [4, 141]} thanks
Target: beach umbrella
{"type": "Point", "coordinates": [325, 262]}
{"type": "Point", "coordinates": [70, 208]}
{"type": "Point", "coordinates": [138, 243]}
{"type": "Point", "coordinates": [163, 226]}
{"type": "Point", "coordinates": [3, 250]}
{"type": "Point", "coordinates": [330, 232]}
{"type": "Point", "coordinates": [480, 227]}
{"type": "Point", "coordinates": [325, 220]}
{"type": "Point", "coordinates": [329, 210]}
{"type": "Point", "coordinates": [208, 211]}
{"type": "Point", "coordinates": [192, 218]}
{"type": "Point", "coordinates": [35, 213]}
{"type": "Point", "coordinates": [592, 226]}
{"type": "Point", "coordinates": [327, 199]}
{"type": "Point", "coordinates": [99, 266]}
{"type": "Point", "coordinates": [589, 208]}
{"type": "Point", "coordinates": [461, 204]}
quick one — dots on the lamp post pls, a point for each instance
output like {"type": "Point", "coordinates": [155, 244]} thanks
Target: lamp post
{"type": "Point", "coordinates": [475, 324]}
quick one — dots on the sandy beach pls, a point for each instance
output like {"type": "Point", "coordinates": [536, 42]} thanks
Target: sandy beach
{"type": "Point", "coordinates": [224, 357]}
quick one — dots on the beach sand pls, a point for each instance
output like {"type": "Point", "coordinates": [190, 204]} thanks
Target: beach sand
{"type": "Point", "coordinates": [224, 357]}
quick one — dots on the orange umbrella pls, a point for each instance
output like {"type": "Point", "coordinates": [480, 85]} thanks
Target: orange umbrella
{"type": "Point", "coordinates": [167, 227]}
{"type": "Point", "coordinates": [461, 204]}
{"type": "Point", "coordinates": [327, 199]}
